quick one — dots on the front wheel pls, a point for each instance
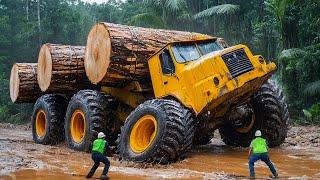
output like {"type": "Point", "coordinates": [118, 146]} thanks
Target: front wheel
{"type": "Point", "coordinates": [88, 113]}
{"type": "Point", "coordinates": [157, 131]}
{"type": "Point", "coordinates": [269, 114]}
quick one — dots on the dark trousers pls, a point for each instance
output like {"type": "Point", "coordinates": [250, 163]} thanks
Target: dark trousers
{"type": "Point", "coordinates": [97, 158]}
{"type": "Point", "coordinates": [263, 157]}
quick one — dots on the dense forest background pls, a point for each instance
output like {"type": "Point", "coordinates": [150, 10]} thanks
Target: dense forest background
{"type": "Point", "coordinates": [286, 31]}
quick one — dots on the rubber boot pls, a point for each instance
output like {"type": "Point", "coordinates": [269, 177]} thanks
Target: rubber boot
{"type": "Point", "coordinates": [276, 176]}
{"type": "Point", "coordinates": [90, 174]}
{"type": "Point", "coordinates": [104, 177]}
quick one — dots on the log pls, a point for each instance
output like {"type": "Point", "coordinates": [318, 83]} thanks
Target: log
{"type": "Point", "coordinates": [61, 68]}
{"type": "Point", "coordinates": [117, 54]}
{"type": "Point", "coordinates": [24, 86]}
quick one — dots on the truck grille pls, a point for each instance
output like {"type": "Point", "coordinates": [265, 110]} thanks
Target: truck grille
{"type": "Point", "coordinates": [237, 62]}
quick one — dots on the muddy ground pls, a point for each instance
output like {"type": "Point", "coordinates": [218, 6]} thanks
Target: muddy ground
{"type": "Point", "coordinates": [21, 158]}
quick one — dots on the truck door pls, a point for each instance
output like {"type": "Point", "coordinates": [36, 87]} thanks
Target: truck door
{"type": "Point", "coordinates": [169, 80]}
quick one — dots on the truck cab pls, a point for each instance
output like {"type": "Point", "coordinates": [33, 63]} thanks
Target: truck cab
{"type": "Point", "coordinates": [207, 75]}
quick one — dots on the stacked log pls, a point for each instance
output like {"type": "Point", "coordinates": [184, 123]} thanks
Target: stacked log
{"type": "Point", "coordinates": [117, 54]}
{"type": "Point", "coordinates": [23, 83]}
{"type": "Point", "coordinates": [61, 68]}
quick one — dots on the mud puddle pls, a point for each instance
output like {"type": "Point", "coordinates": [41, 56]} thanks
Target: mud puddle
{"type": "Point", "coordinates": [20, 158]}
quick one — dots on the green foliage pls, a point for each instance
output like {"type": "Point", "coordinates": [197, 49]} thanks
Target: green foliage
{"type": "Point", "coordinates": [300, 76]}
{"type": "Point", "coordinates": [147, 20]}
{"type": "Point", "coordinates": [313, 114]}
{"type": "Point", "coordinates": [172, 5]}
{"type": "Point", "coordinates": [223, 9]}
{"type": "Point", "coordinates": [288, 30]}
{"type": "Point", "coordinates": [291, 53]}
{"type": "Point", "coordinates": [312, 89]}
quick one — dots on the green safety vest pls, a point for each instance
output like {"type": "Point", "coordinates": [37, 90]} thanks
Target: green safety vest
{"type": "Point", "coordinates": [98, 146]}
{"type": "Point", "coordinates": [259, 145]}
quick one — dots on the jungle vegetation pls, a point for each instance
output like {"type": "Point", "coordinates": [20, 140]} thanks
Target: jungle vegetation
{"type": "Point", "coordinates": [284, 31]}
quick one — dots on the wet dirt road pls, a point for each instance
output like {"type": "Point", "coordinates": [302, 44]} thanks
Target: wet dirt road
{"type": "Point", "coordinates": [20, 158]}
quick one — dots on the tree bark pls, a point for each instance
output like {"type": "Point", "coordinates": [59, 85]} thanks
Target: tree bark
{"type": "Point", "coordinates": [117, 54]}
{"type": "Point", "coordinates": [23, 83]}
{"type": "Point", "coordinates": [61, 68]}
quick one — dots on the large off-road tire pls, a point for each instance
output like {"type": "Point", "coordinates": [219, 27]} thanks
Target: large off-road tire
{"type": "Point", "coordinates": [157, 131]}
{"type": "Point", "coordinates": [48, 119]}
{"type": "Point", "coordinates": [271, 116]}
{"type": "Point", "coordinates": [88, 113]}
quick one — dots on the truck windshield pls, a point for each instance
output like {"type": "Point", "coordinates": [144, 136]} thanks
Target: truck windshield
{"type": "Point", "coordinates": [185, 52]}
{"type": "Point", "coordinates": [208, 47]}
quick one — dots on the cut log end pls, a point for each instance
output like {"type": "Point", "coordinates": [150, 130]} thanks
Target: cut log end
{"type": "Point", "coordinates": [122, 52]}
{"type": "Point", "coordinates": [44, 68]}
{"type": "Point", "coordinates": [23, 83]}
{"type": "Point", "coordinates": [14, 83]}
{"type": "Point", "coordinates": [98, 51]}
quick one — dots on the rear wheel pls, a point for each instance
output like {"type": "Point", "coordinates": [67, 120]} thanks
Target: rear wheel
{"type": "Point", "coordinates": [88, 113]}
{"type": "Point", "coordinates": [269, 114]}
{"type": "Point", "coordinates": [157, 131]}
{"type": "Point", "coordinates": [47, 119]}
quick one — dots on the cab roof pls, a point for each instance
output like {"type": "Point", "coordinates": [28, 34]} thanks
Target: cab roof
{"type": "Point", "coordinates": [184, 42]}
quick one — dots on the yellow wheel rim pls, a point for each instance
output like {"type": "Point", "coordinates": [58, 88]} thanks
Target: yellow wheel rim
{"type": "Point", "coordinates": [143, 133]}
{"type": "Point", "coordinates": [78, 126]}
{"type": "Point", "coordinates": [248, 127]}
{"type": "Point", "coordinates": [41, 123]}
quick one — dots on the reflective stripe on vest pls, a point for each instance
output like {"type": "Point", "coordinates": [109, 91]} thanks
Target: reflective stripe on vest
{"type": "Point", "coordinates": [259, 145]}
{"type": "Point", "coordinates": [98, 145]}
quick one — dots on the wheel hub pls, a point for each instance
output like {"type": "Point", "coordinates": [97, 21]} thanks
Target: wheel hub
{"type": "Point", "coordinates": [78, 126]}
{"type": "Point", "coordinates": [41, 121]}
{"type": "Point", "coordinates": [143, 133]}
{"type": "Point", "coordinates": [242, 118]}
{"type": "Point", "coordinates": [246, 124]}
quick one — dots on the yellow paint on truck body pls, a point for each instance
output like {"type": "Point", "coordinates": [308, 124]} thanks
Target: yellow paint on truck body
{"type": "Point", "coordinates": [193, 82]}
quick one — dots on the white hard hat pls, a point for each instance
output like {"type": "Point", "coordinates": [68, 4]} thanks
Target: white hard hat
{"type": "Point", "coordinates": [258, 133]}
{"type": "Point", "coordinates": [101, 135]}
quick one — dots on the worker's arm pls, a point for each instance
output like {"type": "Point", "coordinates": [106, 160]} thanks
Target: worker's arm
{"type": "Point", "coordinates": [250, 151]}
{"type": "Point", "coordinates": [106, 148]}
{"type": "Point", "coordinates": [109, 150]}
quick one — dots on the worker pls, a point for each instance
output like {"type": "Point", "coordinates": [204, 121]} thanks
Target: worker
{"type": "Point", "coordinates": [99, 149]}
{"type": "Point", "coordinates": [259, 151]}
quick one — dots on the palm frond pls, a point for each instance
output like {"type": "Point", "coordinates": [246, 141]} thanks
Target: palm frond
{"type": "Point", "coordinates": [278, 7]}
{"type": "Point", "coordinates": [312, 89]}
{"type": "Point", "coordinates": [152, 2]}
{"type": "Point", "coordinates": [146, 20]}
{"type": "Point", "coordinates": [175, 5]}
{"type": "Point", "coordinates": [291, 53]}
{"type": "Point", "coordinates": [307, 113]}
{"type": "Point", "coordinates": [184, 15]}
{"type": "Point", "coordinates": [223, 9]}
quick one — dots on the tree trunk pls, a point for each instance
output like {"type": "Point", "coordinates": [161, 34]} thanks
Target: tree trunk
{"type": "Point", "coordinates": [27, 9]}
{"type": "Point", "coordinates": [61, 68]}
{"type": "Point", "coordinates": [23, 83]}
{"type": "Point", "coordinates": [39, 23]}
{"type": "Point", "coordinates": [117, 54]}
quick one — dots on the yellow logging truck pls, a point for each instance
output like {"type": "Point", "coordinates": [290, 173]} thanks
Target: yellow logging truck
{"type": "Point", "coordinates": [198, 86]}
